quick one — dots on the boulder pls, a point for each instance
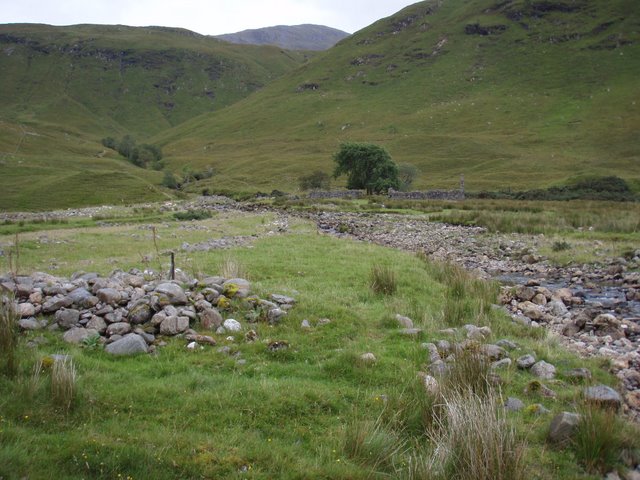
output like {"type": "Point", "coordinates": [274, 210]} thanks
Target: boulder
{"type": "Point", "coordinates": [526, 361]}
{"type": "Point", "coordinates": [404, 322]}
{"type": "Point", "coordinates": [607, 324]}
{"type": "Point", "coordinates": [97, 323]}
{"type": "Point", "coordinates": [282, 299]}
{"type": "Point", "coordinates": [579, 374]}
{"type": "Point", "coordinates": [83, 298]}
{"type": "Point", "coordinates": [78, 334]}
{"type": "Point", "coordinates": [231, 325]}
{"type": "Point", "coordinates": [434, 354]}
{"type": "Point", "coordinates": [513, 404]}
{"type": "Point", "coordinates": [603, 395]}
{"type": "Point", "coordinates": [140, 313]}
{"type": "Point", "coordinates": [174, 325]}
{"type": "Point", "coordinates": [557, 308]}
{"type": "Point", "coordinates": [29, 324]}
{"type": "Point", "coordinates": [67, 317]}
{"type": "Point", "coordinates": [236, 287]}
{"type": "Point", "coordinates": [368, 358]}
{"type": "Point", "coordinates": [24, 310]}
{"type": "Point", "coordinates": [493, 352]}
{"type": "Point", "coordinates": [130, 344]}
{"type": "Point", "coordinates": [56, 303]}
{"type": "Point", "coordinates": [210, 319]}
{"type": "Point", "coordinates": [118, 328]}
{"type": "Point", "coordinates": [110, 296]}
{"type": "Point", "coordinates": [563, 427]}
{"type": "Point", "coordinates": [275, 315]}
{"type": "Point", "coordinates": [543, 370]}
{"type": "Point", "coordinates": [170, 293]}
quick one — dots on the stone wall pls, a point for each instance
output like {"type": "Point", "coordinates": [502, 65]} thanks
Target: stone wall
{"type": "Point", "coordinates": [337, 194]}
{"type": "Point", "coordinates": [427, 195]}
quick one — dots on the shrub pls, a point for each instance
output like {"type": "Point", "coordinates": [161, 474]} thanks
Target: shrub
{"type": "Point", "coordinates": [382, 280]}
{"type": "Point", "coordinates": [8, 333]}
{"type": "Point", "coordinates": [169, 181]}
{"type": "Point", "coordinates": [560, 246]}
{"type": "Point", "coordinates": [192, 215]}
{"type": "Point", "coordinates": [63, 383]}
{"type": "Point", "coordinates": [317, 180]}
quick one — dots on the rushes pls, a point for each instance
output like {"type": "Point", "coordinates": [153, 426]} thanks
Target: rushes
{"type": "Point", "coordinates": [382, 280]}
{"type": "Point", "coordinates": [475, 441]}
{"type": "Point", "coordinates": [8, 334]}
{"type": "Point", "coordinates": [63, 383]}
{"type": "Point", "coordinates": [598, 441]}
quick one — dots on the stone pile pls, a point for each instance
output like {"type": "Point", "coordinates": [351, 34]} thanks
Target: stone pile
{"type": "Point", "coordinates": [127, 311]}
{"type": "Point", "coordinates": [588, 330]}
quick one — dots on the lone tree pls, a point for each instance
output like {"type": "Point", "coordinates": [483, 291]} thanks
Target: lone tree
{"type": "Point", "coordinates": [368, 166]}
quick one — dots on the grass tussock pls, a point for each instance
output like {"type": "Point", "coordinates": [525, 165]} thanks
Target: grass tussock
{"type": "Point", "coordinates": [476, 441]}
{"type": "Point", "coordinates": [372, 444]}
{"type": "Point", "coordinates": [470, 372]}
{"type": "Point", "coordinates": [598, 442]}
{"type": "Point", "coordinates": [382, 280]}
{"type": "Point", "coordinates": [63, 383]}
{"type": "Point", "coordinates": [8, 334]}
{"type": "Point", "coordinates": [232, 268]}
{"type": "Point", "coordinates": [467, 299]}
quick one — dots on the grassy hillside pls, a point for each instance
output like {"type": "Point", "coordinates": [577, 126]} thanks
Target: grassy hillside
{"type": "Point", "coordinates": [62, 89]}
{"type": "Point", "coordinates": [514, 95]}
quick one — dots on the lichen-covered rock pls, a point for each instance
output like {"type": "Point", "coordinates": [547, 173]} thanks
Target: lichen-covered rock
{"type": "Point", "coordinates": [236, 287]}
{"type": "Point", "coordinates": [140, 313]}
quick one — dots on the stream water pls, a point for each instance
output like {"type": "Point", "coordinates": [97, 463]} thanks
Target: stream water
{"type": "Point", "coordinates": [608, 297]}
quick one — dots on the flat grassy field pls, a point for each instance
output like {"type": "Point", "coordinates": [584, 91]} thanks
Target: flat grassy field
{"type": "Point", "coordinates": [314, 410]}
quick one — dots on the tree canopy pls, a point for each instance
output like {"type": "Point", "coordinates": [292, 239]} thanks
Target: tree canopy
{"type": "Point", "coordinates": [369, 167]}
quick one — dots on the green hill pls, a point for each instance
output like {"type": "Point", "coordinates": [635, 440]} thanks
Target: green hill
{"type": "Point", "coordinates": [514, 94]}
{"type": "Point", "coordinates": [62, 89]}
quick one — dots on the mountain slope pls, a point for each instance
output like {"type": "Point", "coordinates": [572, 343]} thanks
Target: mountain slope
{"type": "Point", "coordinates": [516, 94]}
{"type": "Point", "coordinates": [292, 37]}
{"type": "Point", "coordinates": [62, 89]}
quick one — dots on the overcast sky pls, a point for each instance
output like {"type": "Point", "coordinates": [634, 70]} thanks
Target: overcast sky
{"type": "Point", "coordinates": [209, 17]}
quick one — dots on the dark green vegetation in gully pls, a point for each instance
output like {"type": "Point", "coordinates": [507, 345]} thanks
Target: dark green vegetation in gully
{"type": "Point", "coordinates": [516, 95]}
